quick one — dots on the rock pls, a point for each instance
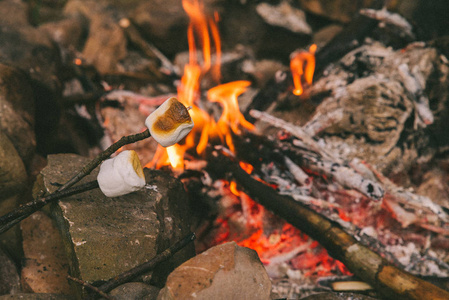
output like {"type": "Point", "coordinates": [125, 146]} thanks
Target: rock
{"type": "Point", "coordinates": [45, 266]}
{"type": "Point", "coordinates": [10, 281]}
{"type": "Point", "coordinates": [67, 32]}
{"type": "Point", "coordinates": [107, 236]}
{"type": "Point", "coordinates": [31, 50]}
{"type": "Point", "coordinates": [14, 13]}
{"type": "Point", "coordinates": [25, 296]}
{"type": "Point", "coordinates": [337, 296]}
{"type": "Point", "coordinates": [13, 176]}
{"type": "Point", "coordinates": [161, 19]}
{"type": "Point", "coordinates": [17, 110]}
{"type": "Point", "coordinates": [13, 181]}
{"type": "Point", "coordinates": [226, 271]}
{"type": "Point", "coordinates": [106, 43]}
{"type": "Point", "coordinates": [26, 47]}
{"type": "Point", "coordinates": [135, 291]}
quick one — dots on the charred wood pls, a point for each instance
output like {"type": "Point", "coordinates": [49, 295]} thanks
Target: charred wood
{"type": "Point", "coordinates": [389, 280]}
{"type": "Point", "coordinates": [269, 93]}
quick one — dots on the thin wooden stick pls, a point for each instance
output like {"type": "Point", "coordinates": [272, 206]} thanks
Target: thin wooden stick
{"type": "Point", "coordinates": [91, 287]}
{"type": "Point", "coordinates": [104, 155]}
{"type": "Point", "coordinates": [12, 218]}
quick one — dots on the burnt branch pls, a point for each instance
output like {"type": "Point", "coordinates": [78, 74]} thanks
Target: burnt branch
{"type": "Point", "coordinates": [389, 280]}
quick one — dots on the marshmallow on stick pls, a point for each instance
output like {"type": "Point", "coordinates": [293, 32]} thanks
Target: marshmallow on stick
{"type": "Point", "coordinates": [121, 175]}
{"type": "Point", "coordinates": [170, 123]}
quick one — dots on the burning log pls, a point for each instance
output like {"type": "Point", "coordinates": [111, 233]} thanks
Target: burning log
{"type": "Point", "coordinates": [389, 280]}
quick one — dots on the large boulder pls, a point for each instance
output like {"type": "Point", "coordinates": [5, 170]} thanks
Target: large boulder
{"type": "Point", "coordinates": [17, 110]}
{"type": "Point", "coordinates": [226, 271]}
{"type": "Point", "coordinates": [107, 236]}
{"type": "Point", "coordinates": [30, 50]}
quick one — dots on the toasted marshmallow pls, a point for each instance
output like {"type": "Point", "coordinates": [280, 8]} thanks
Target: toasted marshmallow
{"type": "Point", "coordinates": [170, 123]}
{"type": "Point", "coordinates": [121, 175]}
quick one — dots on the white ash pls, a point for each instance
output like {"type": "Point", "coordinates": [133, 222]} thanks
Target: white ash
{"type": "Point", "coordinates": [389, 18]}
{"type": "Point", "coordinates": [284, 15]}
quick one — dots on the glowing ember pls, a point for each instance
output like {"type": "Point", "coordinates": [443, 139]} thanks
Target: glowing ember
{"type": "Point", "coordinates": [302, 66]}
{"type": "Point", "coordinates": [276, 243]}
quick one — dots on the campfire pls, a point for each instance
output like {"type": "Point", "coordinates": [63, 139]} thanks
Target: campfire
{"type": "Point", "coordinates": [326, 157]}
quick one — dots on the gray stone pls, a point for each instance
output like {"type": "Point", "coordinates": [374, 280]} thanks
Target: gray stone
{"type": "Point", "coordinates": [106, 43]}
{"type": "Point", "coordinates": [135, 291]}
{"type": "Point", "coordinates": [10, 281]}
{"type": "Point", "coordinates": [27, 47]}
{"type": "Point", "coordinates": [107, 236]}
{"type": "Point", "coordinates": [17, 110]}
{"type": "Point", "coordinates": [226, 271]}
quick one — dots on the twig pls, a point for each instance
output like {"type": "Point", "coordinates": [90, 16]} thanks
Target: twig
{"type": "Point", "coordinates": [104, 155]}
{"type": "Point", "coordinates": [89, 286]}
{"type": "Point", "coordinates": [147, 266]}
{"type": "Point", "coordinates": [23, 211]}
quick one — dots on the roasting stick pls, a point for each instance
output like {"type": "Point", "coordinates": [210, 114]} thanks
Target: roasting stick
{"type": "Point", "coordinates": [171, 111]}
{"type": "Point", "coordinates": [104, 155]}
{"type": "Point", "coordinates": [9, 220]}
{"type": "Point", "coordinates": [389, 280]}
{"type": "Point", "coordinates": [67, 189]}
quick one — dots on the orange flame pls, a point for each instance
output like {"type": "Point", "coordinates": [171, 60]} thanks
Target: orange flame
{"type": "Point", "coordinates": [200, 30]}
{"type": "Point", "coordinates": [231, 117]}
{"type": "Point", "coordinates": [301, 72]}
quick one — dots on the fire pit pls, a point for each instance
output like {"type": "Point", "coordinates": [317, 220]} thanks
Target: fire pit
{"type": "Point", "coordinates": [319, 142]}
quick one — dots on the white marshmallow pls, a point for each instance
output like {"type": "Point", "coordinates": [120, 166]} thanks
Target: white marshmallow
{"type": "Point", "coordinates": [169, 123]}
{"type": "Point", "coordinates": [121, 175]}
